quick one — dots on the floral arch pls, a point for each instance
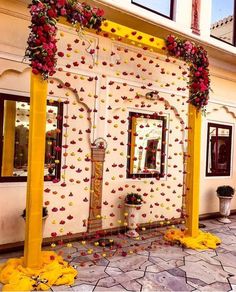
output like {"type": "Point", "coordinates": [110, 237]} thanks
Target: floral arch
{"type": "Point", "coordinates": [42, 43]}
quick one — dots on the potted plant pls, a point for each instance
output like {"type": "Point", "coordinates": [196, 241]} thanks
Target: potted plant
{"type": "Point", "coordinates": [45, 215]}
{"type": "Point", "coordinates": [133, 203]}
{"type": "Point", "coordinates": [225, 195]}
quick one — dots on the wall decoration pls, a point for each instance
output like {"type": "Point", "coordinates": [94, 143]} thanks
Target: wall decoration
{"type": "Point", "coordinates": [42, 42]}
{"type": "Point", "coordinates": [196, 56]}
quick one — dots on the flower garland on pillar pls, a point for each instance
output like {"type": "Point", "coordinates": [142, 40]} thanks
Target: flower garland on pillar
{"type": "Point", "coordinates": [196, 56]}
{"type": "Point", "coordinates": [42, 40]}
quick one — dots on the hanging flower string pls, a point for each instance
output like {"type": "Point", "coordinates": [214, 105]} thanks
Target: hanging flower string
{"type": "Point", "coordinates": [42, 40]}
{"type": "Point", "coordinates": [196, 56]}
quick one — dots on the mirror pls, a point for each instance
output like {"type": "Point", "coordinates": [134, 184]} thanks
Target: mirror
{"type": "Point", "coordinates": [146, 145]}
{"type": "Point", "coordinates": [15, 136]}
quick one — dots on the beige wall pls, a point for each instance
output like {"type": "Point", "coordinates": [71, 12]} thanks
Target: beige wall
{"type": "Point", "coordinates": [222, 110]}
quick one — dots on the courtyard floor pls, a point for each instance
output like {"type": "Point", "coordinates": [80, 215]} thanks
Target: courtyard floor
{"type": "Point", "coordinates": [148, 264]}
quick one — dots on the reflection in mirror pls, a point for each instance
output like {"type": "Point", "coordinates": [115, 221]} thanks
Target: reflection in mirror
{"type": "Point", "coordinates": [218, 150]}
{"type": "Point", "coordinates": [146, 149]}
{"type": "Point", "coordinates": [15, 134]}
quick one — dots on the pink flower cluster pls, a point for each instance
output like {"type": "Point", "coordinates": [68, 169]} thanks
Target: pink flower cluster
{"type": "Point", "coordinates": [199, 84]}
{"type": "Point", "coordinates": [42, 45]}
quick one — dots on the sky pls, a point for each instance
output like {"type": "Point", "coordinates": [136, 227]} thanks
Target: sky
{"type": "Point", "coordinates": [162, 6]}
{"type": "Point", "coordinates": [222, 8]}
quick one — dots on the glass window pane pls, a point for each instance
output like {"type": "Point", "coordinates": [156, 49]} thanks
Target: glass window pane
{"type": "Point", "coordinates": [222, 20]}
{"type": "Point", "coordinates": [160, 6]}
{"type": "Point", "coordinates": [15, 136]}
{"type": "Point", "coordinates": [218, 150]}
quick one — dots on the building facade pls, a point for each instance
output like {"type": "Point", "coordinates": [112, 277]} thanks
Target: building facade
{"type": "Point", "coordinates": [100, 96]}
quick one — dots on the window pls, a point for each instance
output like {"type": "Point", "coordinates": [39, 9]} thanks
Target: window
{"type": "Point", "coordinates": [218, 160]}
{"type": "Point", "coordinates": [223, 20]}
{"type": "Point", "coordinates": [164, 8]}
{"type": "Point", "coordinates": [14, 130]}
{"type": "Point", "coordinates": [146, 146]}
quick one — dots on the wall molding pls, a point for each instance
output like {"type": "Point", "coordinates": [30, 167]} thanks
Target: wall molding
{"type": "Point", "coordinates": [15, 14]}
{"type": "Point", "coordinates": [224, 103]}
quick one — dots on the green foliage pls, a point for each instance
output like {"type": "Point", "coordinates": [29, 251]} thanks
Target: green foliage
{"type": "Point", "coordinates": [225, 191]}
{"type": "Point", "coordinates": [133, 199]}
{"type": "Point", "coordinates": [45, 212]}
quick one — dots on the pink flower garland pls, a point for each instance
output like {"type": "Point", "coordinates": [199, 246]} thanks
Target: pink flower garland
{"type": "Point", "coordinates": [199, 84]}
{"type": "Point", "coordinates": [42, 41]}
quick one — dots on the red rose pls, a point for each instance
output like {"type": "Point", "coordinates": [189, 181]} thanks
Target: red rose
{"type": "Point", "coordinates": [63, 11]}
{"type": "Point", "coordinates": [100, 12]}
{"type": "Point", "coordinates": [35, 71]}
{"type": "Point", "coordinates": [47, 27]}
{"type": "Point", "coordinates": [170, 38]}
{"type": "Point", "coordinates": [52, 13]}
{"type": "Point", "coordinates": [61, 3]}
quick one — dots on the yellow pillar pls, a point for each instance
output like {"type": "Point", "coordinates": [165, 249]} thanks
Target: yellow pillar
{"type": "Point", "coordinates": [9, 138]}
{"type": "Point", "coordinates": [193, 171]}
{"type": "Point", "coordinates": [35, 181]}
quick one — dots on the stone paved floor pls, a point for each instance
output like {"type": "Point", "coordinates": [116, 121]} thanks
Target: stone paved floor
{"type": "Point", "coordinates": [153, 266]}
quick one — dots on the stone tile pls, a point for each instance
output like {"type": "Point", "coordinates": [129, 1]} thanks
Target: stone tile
{"type": "Point", "coordinates": [83, 288]}
{"type": "Point", "coordinates": [233, 288]}
{"type": "Point", "coordinates": [78, 245]}
{"type": "Point", "coordinates": [212, 224]}
{"type": "Point", "coordinates": [82, 259]}
{"type": "Point", "coordinates": [226, 238]}
{"type": "Point", "coordinates": [102, 262]}
{"type": "Point", "coordinates": [227, 247]}
{"type": "Point", "coordinates": [128, 263]}
{"type": "Point", "coordinates": [196, 283]}
{"type": "Point", "coordinates": [2, 261]}
{"type": "Point", "coordinates": [217, 286]}
{"type": "Point", "coordinates": [232, 226]}
{"type": "Point", "coordinates": [123, 279]}
{"type": "Point", "coordinates": [108, 282]}
{"type": "Point", "coordinates": [132, 286]}
{"type": "Point", "coordinates": [221, 250]}
{"type": "Point", "coordinates": [163, 281]}
{"type": "Point", "coordinates": [227, 259]}
{"type": "Point", "coordinates": [233, 231]}
{"type": "Point", "coordinates": [154, 266]}
{"type": "Point", "coordinates": [61, 288]}
{"type": "Point", "coordinates": [224, 229]}
{"type": "Point", "coordinates": [207, 256]}
{"type": "Point", "coordinates": [114, 288]}
{"type": "Point", "coordinates": [90, 275]}
{"type": "Point", "coordinates": [168, 253]}
{"type": "Point", "coordinates": [205, 272]}
{"type": "Point", "coordinates": [143, 253]}
{"type": "Point", "coordinates": [232, 272]}
{"type": "Point", "coordinates": [192, 251]}
{"type": "Point", "coordinates": [160, 265]}
{"type": "Point", "coordinates": [177, 272]}
{"type": "Point", "coordinates": [63, 249]}
{"type": "Point", "coordinates": [113, 271]}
